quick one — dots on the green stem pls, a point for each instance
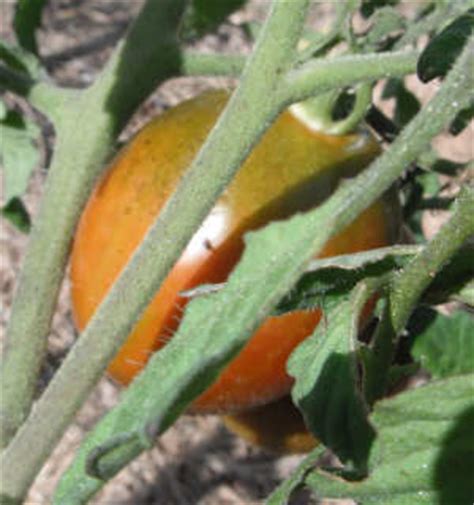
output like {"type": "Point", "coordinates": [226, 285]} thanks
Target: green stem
{"type": "Point", "coordinates": [193, 63]}
{"type": "Point", "coordinates": [320, 75]}
{"type": "Point", "coordinates": [249, 112]}
{"type": "Point", "coordinates": [408, 286]}
{"type": "Point", "coordinates": [344, 10]}
{"type": "Point", "coordinates": [412, 141]}
{"type": "Point", "coordinates": [89, 124]}
{"type": "Point", "coordinates": [317, 112]}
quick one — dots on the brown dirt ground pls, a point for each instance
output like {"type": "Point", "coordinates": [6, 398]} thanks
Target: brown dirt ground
{"type": "Point", "coordinates": [197, 461]}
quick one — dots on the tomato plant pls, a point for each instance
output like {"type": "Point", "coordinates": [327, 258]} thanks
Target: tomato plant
{"type": "Point", "coordinates": [153, 228]}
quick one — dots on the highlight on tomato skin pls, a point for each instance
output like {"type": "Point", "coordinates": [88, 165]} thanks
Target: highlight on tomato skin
{"type": "Point", "coordinates": [292, 169]}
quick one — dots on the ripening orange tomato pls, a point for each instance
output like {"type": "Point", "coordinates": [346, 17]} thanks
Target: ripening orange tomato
{"type": "Point", "coordinates": [292, 169]}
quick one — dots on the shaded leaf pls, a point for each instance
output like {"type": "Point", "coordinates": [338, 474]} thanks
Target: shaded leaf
{"type": "Point", "coordinates": [443, 50]}
{"type": "Point", "coordinates": [327, 279]}
{"type": "Point", "coordinates": [17, 214]}
{"type": "Point", "coordinates": [445, 346]}
{"type": "Point", "coordinates": [423, 452]}
{"type": "Point", "coordinates": [462, 120]}
{"type": "Point", "coordinates": [430, 161]}
{"type": "Point", "coordinates": [328, 286]}
{"type": "Point", "coordinates": [203, 16]}
{"type": "Point", "coordinates": [27, 20]}
{"type": "Point", "coordinates": [18, 59]}
{"type": "Point", "coordinates": [447, 167]}
{"type": "Point", "coordinates": [400, 373]}
{"type": "Point", "coordinates": [18, 153]}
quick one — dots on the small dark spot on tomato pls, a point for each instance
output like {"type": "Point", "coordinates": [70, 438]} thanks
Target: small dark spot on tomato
{"type": "Point", "coordinates": [208, 245]}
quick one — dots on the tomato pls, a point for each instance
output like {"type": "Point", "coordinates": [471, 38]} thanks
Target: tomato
{"type": "Point", "coordinates": [277, 427]}
{"type": "Point", "coordinates": [291, 169]}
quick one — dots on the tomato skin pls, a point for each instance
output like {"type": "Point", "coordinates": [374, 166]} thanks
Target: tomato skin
{"type": "Point", "coordinates": [292, 169]}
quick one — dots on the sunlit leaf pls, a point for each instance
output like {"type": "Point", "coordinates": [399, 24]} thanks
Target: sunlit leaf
{"type": "Point", "coordinates": [423, 452]}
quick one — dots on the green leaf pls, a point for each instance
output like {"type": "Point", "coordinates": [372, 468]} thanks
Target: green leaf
{"type": "Point", "coordinates": [324, 367]}
{"type": "Point", "coordinates": [328, 280]}
{"type": "Point", "coordinates": [27, 20]}
{"type": "Point", "coordinates": [203, 16]}
{"type": "Point", "coordinates": [462, 120]}
{"type": "Point", "coordinates": [430, 184]}
{"type": "Point", "coordinates": [447, 167]}
{"type": "Point", "coordinates": [18, 153]}
{"type": "Point", "coordinates": [406, 103]}
{"type": "Point", "coordinates": [423, 452]}
{"type": "Point", "coordinates": [17, 214]}
{"type": "Point", "coordinates": [445, 346]}
{"type": "Point", "coordinates": [400, 373]}
{"type": "Point", "coordinates": [442, 51]}
{"type": "Point", "coordinates": [430, 161]}
{"type": "Point", "coordinates": [18, 59]}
